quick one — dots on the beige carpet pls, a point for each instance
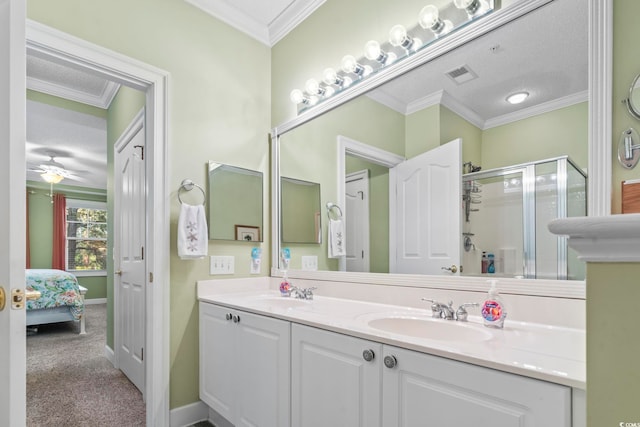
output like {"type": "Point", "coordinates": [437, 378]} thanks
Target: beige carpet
{"type": "Point", "coordinates": [71, 383]}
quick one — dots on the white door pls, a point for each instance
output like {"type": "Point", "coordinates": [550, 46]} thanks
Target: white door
{"type": "Point", "coordinates": [333, 381]}
{"type": "Point", "coordinates": [426, 217]}
{"type": "Point", "coordinates": [357, 220]}
{"type": "Point", "coordinates": [129, 246]}
{"type": "Point", "coordinates": [12, 210]}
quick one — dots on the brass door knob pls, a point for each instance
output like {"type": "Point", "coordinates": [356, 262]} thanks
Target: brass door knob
{"type": "Point", "coordinates": [452, 269]}
{"type": "Point", "coordinates": [118, 272]}
{"type": "Point", "coordinates": [3, 298]}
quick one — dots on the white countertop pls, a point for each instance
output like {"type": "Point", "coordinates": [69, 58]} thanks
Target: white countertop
{"type": "Point", "coordinates": [550, 353]}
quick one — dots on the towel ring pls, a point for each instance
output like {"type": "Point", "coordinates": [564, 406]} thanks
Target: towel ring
{"type": "Point", "coordinates": [330, 207]}
{"type": "Point", "coordinates": [188, 185]}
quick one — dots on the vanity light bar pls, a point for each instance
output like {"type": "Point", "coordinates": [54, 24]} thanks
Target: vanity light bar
{"type": "Point", "coordinates": [428, 19]}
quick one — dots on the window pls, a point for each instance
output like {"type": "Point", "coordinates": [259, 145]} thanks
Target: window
{"type": "Point", "coordinates": [86, 236]}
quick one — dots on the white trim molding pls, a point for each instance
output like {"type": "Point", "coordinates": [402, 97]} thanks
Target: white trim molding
{"type": "Point", "coordinates": [614, 238]}
{"type": "Point", "coordinates": [600, 106]}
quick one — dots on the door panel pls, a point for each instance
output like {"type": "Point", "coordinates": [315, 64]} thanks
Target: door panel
{"type": "Point", "coordinates": [427, 220]}
{"type": "Point", "coordinates": [357, 221]}
{"type": "Point", "coordinates": [130, 238]}
{"type": "Point", "coordinates": [331, 383]}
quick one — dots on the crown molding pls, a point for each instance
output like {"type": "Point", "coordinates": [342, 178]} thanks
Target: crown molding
{"type": "Point", "coordinates": [103, 100]}
{"type": "Point", "coordinates": [290, 18]}
{"type": "Point", "coordinates": [269, 34]}
{"type": "Point", "coordinates": [536, 110]}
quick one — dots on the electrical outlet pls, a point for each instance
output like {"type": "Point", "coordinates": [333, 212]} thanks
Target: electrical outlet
{"type": "Point", "coordinates": [221, 265]}
{"type": "Point", "coordinates": [309, 262]}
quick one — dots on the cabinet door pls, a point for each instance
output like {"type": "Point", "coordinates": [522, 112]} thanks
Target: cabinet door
{"type": "Point", "coordinates": [331, 382]}
{"type": "Point", "coordinates": [429, 391]}
{"type": "Point", "coordinates": [263, 356]}
{"type": "Point", "coordinates": [217, 359]}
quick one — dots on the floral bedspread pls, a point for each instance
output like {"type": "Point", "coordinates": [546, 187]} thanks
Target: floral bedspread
{"type": "Point", "coordinates": [58, 288]}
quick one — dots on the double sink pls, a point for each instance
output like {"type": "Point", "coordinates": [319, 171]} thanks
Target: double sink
{"type": "Point", "coordinates": [413, 323]}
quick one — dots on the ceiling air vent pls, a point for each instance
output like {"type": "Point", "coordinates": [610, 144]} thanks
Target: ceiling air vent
{"type": "Point", "coordinates": [461, 74]}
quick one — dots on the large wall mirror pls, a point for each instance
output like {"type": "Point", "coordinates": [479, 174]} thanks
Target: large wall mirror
{"type": "Point", "coordinates": [542, 50]}
{"type": "Point", "coordinates": [235, 203]}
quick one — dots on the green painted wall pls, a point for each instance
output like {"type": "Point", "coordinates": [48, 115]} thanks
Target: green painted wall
{"type": "Point", "coordinates": [219, 108]}
{"type": "Point", "coordinates": [453, 126]}
{"type": "Point", "coordinates": [41, 229]}
{"type": "Point", "coordinates": [124, 107]}
{"type": "Point", "coordinates": [613, 377]}
{"type": "Point", "coordinates": [553, 134]}
{"type": "Point", "coordinates": [422, 131]}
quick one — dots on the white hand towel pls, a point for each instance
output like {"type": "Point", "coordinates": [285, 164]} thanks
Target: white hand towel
{"type": "Point", "coordinates": [193, 239]}
{"type": "Point", "coordinates": [336, 244]}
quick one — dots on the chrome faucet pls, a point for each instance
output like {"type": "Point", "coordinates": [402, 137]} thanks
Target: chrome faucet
{"type": "Point", "coordinates": [300, 293]}
{"type": "Point", "coordinates": [447, 312]}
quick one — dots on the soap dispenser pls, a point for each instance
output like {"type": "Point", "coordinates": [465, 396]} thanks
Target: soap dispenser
{"type": "Point", "coordinates": [493, 309]}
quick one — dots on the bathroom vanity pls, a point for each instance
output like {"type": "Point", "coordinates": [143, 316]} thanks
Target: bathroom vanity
{"type": "Point", "coordinates": [273, 361]}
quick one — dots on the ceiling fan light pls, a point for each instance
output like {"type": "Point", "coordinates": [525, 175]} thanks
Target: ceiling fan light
{"type": "Point", "coordinates": [51, 177]}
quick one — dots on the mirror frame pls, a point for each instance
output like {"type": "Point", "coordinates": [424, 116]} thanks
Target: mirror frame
{"type": "Point", "coordinates": [599, 163]}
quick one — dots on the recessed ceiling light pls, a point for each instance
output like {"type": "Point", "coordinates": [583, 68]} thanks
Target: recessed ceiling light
{"type": "Point", "coordinates": [517, 98]}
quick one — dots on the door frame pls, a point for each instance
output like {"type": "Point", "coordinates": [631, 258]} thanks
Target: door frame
{"type": "Point", "coordinates": [364, 151]}
{"type": "Point", "coordinates": [60, 47]}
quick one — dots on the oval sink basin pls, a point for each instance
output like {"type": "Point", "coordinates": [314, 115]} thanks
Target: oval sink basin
{"type": "Point", "coordinates": [433, 329]}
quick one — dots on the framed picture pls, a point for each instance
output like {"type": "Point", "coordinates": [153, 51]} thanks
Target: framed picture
{"type": "Point", "coordinates": [248, 233]}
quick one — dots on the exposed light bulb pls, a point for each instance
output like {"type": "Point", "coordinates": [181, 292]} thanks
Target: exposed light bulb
{"type": "Point", "coordinates": [350, 65]}
{"type": "Point", "coordinates": [330, 77]}
{"type": "Point", "coordinates": [472, 7]}
{"type": "Point", "coordinates": [313, 87]}
{"type": "Point", "coordinates": [429, 19]}
{"type": "Point", "coordinates": [398, 38]}
{"type": "Point", "coordinates": [373, 52]}
{"type": "Point", "coordinates": [297, 97]}
{"type": "Point", "coordinates": [517, 98]}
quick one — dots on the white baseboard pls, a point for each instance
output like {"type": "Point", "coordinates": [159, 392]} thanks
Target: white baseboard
{"type": "Point", "coordinates": [189, 414]}
{"type": "Point", "coordinates": [95, 301]}
{"type": "Point", "coordinates": [110, 355]}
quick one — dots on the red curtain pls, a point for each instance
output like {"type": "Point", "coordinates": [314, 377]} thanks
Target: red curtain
{"type": "Point", "coordinates": [28, 264]}
{"type": "Point", "coordinates": [59, 231]}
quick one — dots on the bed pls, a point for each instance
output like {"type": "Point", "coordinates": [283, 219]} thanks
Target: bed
{"type": "Point", "coordinates": [61, 300]}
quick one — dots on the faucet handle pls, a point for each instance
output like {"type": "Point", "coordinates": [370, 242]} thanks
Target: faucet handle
{"type": "Point", "coordinates": [461, 313]}
{"type": "Point", "coordinates": [436, 307]}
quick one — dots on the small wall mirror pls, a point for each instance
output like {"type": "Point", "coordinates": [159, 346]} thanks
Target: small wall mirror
{"type": "Point", "coordinates": [235, 203]}
{"type": "Point", "coordinates": [633, 101]}
{"type": "Point", "coordinates": [300, 207]}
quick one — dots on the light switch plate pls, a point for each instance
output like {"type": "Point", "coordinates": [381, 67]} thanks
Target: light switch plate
{"type": "Point", "coordinates": [221, 264]}
{"type": "Point", "coordinates": [310, 262]}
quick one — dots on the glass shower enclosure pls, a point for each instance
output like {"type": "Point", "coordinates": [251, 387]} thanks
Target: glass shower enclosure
{"type": "Point", "coordinates": [505, 216]}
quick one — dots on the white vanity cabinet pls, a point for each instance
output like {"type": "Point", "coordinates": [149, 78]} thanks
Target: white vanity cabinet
{"type": "Point", "coordinates": [331, 382]}
{"type": "Point", "coordinates": [425, 390]}
{"type": "Point", "coordinates": [333, 385]}
{"type": "Point", "coordinates": [245, 366]}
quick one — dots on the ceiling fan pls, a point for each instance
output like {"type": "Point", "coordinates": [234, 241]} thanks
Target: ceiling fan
{"type": "Point", "coordinates": [53, 172]}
